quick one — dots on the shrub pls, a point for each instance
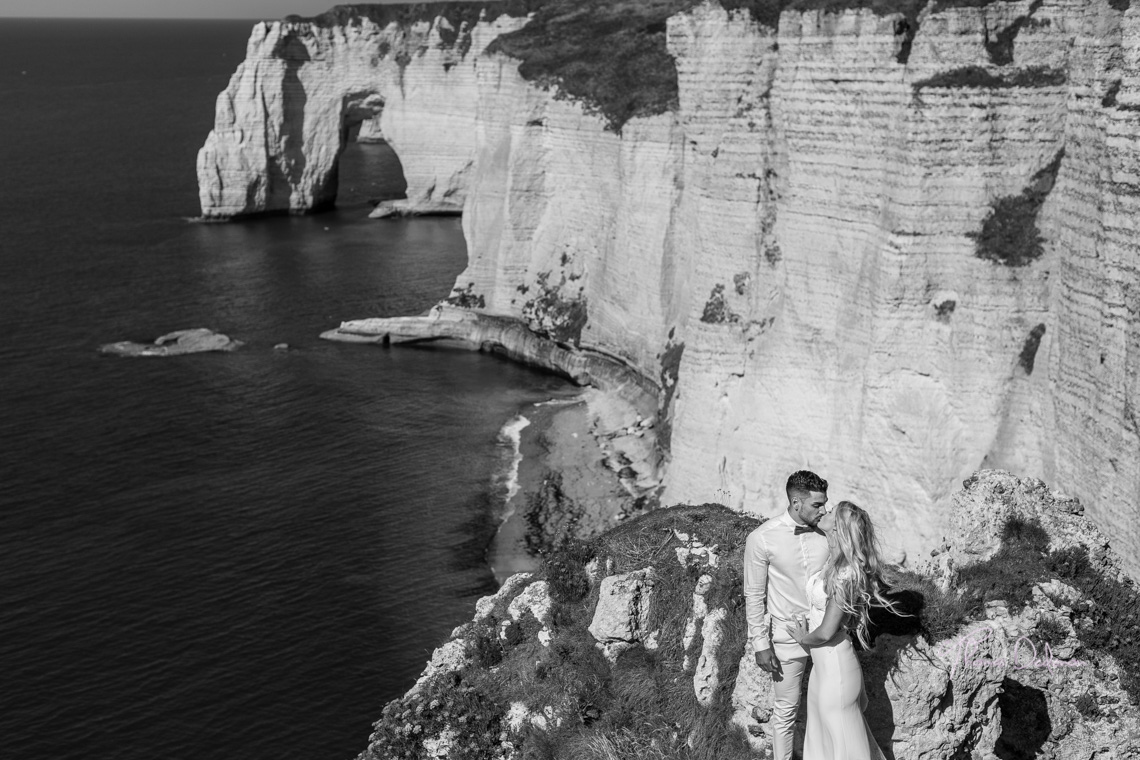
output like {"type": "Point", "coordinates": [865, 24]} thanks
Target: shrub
{"type": "Point", "coordinates": [1051, 631]}
{"type": "Point", "coordinates": [443, 704]}
{"type": "Point", "coordinates": [554, 314]}
{"type": "Point", "coordinates": [466, 298]}
{"type": "Point", "coordinates": [1009, 234]}
{"type": "Point", "coordinates": [565, 571]}
{"type": "Point", "coordinates": [938, 614]}
{"type": "Point", "coordinates": [550, 516]}
{"type": "Point", "coordinates": [977, 76]}
{"type": "Point", "coordinates": [717, 310]}
{"type": "Point", "coordinates": [486, 649]}
{"type": "Point", "coordinates": [1028, 356]}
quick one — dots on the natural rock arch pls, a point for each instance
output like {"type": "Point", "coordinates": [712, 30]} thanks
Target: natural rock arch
{"type": "Point", "coordinates": [282, 123]}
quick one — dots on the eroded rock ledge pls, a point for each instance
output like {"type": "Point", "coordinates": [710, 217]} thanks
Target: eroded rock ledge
{"type": "Point", "coordinates": [511, 338]}
{"type": "Point", "coordinates": [634, 645]}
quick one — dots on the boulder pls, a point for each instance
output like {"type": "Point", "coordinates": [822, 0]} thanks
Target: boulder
{"type": "Point", "coordinates": [621, 618]}
{"type": "Point", "coordinates": [194, 341]}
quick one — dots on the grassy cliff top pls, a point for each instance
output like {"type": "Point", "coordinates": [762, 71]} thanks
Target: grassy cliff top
{"type": "Point", "coordinates": [611, 55]}
{"type": "Point", "coordinates": [410, 13]}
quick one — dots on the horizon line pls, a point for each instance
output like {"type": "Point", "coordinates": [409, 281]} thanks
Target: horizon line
{"type": "Point", "coordinates": [139, 18]}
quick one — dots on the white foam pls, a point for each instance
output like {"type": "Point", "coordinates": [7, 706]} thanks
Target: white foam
{"type": "Point", "coordinates": [512, 434]}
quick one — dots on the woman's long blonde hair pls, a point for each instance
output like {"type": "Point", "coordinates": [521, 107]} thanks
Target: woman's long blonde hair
{"type": "Point", "coordinates": [854, 576]}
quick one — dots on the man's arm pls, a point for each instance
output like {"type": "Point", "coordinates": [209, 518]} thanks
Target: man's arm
{"type": "Point", "coordinates": [756, 591]}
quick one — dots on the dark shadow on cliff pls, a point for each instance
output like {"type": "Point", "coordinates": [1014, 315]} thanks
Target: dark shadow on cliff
{"type": "Point", "coordinates": [368, 173]}
{"type": "Point", "coordinates": [285, 171]}
{"type": "Point", "coordinates": [1025, 724]}
{"type": "Point", "coordinates": [889, 632]}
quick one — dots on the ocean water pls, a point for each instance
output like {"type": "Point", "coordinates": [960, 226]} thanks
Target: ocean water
{"type": "Point", "coordinates": [239, 554]}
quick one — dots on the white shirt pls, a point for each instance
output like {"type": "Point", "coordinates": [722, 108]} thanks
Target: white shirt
{"type": "Point", "coordinates": [777, 566]}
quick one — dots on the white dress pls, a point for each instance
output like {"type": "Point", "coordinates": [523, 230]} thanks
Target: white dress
{"type": "Point", "coordinates": [836, 728]}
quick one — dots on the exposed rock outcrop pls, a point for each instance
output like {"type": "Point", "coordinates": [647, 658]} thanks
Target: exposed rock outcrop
{"type": "Point", "coordinates": [892, 243]}
{"type": "Point", "coordinates": [444, 323]}
{"type": "Point", "coordinates": [194, 341]}
{"type": "Point", "coordinates": [602, 664]}
{"type": "Point", "coordinates": [409, 72]}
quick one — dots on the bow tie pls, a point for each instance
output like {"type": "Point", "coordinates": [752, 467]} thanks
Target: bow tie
{"type": "Point", "coordinates": [805, 529]}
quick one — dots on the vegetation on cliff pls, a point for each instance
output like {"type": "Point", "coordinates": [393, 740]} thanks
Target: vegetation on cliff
{"type": "Point", "coordinates": [641, 706]}
{"type": "Point", "coordinates": [537, 680]}
{"type": "Point", "coordinates": [976, 76]}
{"type": "Point", "coordinates": [406, 14]}
{"type": "Point", "coordinates": [612, 56]}
{"type": "Point", "coordinates": [1106, 620]}
{"type": "Point", "coordinates": [1009, 233]}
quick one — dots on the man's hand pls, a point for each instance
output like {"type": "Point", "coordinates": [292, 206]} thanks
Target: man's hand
{"type": "Point", "coordinates": [767, 661]}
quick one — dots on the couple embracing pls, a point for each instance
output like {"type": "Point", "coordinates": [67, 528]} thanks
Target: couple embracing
{"type": "Point", "coordinates": [810, 576]}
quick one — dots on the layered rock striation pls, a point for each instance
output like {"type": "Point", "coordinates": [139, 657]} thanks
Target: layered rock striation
{"type": "Point", "coordinates": [891, 242]}
{"type": "Point", "coordinates": [406, 71]}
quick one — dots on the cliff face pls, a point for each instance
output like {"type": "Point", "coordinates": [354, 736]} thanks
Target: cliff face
{"type": "Point", "coordinates": [890, 247]}
{"type": "Point", "coordinates": [281, 124]}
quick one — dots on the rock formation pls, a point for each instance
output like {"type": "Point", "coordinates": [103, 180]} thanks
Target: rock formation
{"type": "Point", "coordinates": [445, 323]}
{"type": "Point", "coordinates": [194, 341]}
{"type": "Point", "coordinates": [643, 648]}
{"type": "Point", "coordinates": [281, 124]}
{"type": "Point", "coordinates": [890, 243]}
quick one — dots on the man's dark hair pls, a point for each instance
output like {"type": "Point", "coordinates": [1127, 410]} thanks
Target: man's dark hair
{"type": "Point", "coordinates": [804, 482]}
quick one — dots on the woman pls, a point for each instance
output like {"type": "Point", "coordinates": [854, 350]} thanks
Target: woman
{"type": "Point", "coordinates": [840, 595]}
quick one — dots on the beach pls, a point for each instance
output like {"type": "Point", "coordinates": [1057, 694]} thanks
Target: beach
{"type": "Point", "coordinates": [586, 462]}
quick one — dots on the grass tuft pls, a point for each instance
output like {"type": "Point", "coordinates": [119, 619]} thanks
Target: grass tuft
{"type": "Point", "coordinates": [565, 571]}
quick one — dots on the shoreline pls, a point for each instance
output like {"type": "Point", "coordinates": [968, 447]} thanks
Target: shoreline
{"type": "Point", "coordinates": [586, 461]}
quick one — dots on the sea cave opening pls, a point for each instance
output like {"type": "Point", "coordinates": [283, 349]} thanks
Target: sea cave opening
{"type": "Point", "coordinates": [368, 169]}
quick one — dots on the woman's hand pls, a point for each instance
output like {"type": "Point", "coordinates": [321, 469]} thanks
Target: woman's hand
{"type": "Point", "coordinates": [798, 629]}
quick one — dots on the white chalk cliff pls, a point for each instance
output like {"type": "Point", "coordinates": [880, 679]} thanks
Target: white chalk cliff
{"type": "Point", "coordinates": [281, 124]}
{"type": "Point", "coordinates": [806, 254]}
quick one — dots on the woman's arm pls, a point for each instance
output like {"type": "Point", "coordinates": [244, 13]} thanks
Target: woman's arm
{"type": "Point", "coordinates": [833, 618]}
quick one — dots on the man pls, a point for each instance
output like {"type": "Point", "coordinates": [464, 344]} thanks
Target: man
{"type": "Point", "coordinates": [779, 557]}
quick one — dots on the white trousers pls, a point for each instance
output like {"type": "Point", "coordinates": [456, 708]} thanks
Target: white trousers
{"type": "Point", "coordinates": [786, 690]}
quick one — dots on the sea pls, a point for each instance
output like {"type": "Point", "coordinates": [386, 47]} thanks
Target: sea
{"type": "Point", "coordinates": [233, 554]}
